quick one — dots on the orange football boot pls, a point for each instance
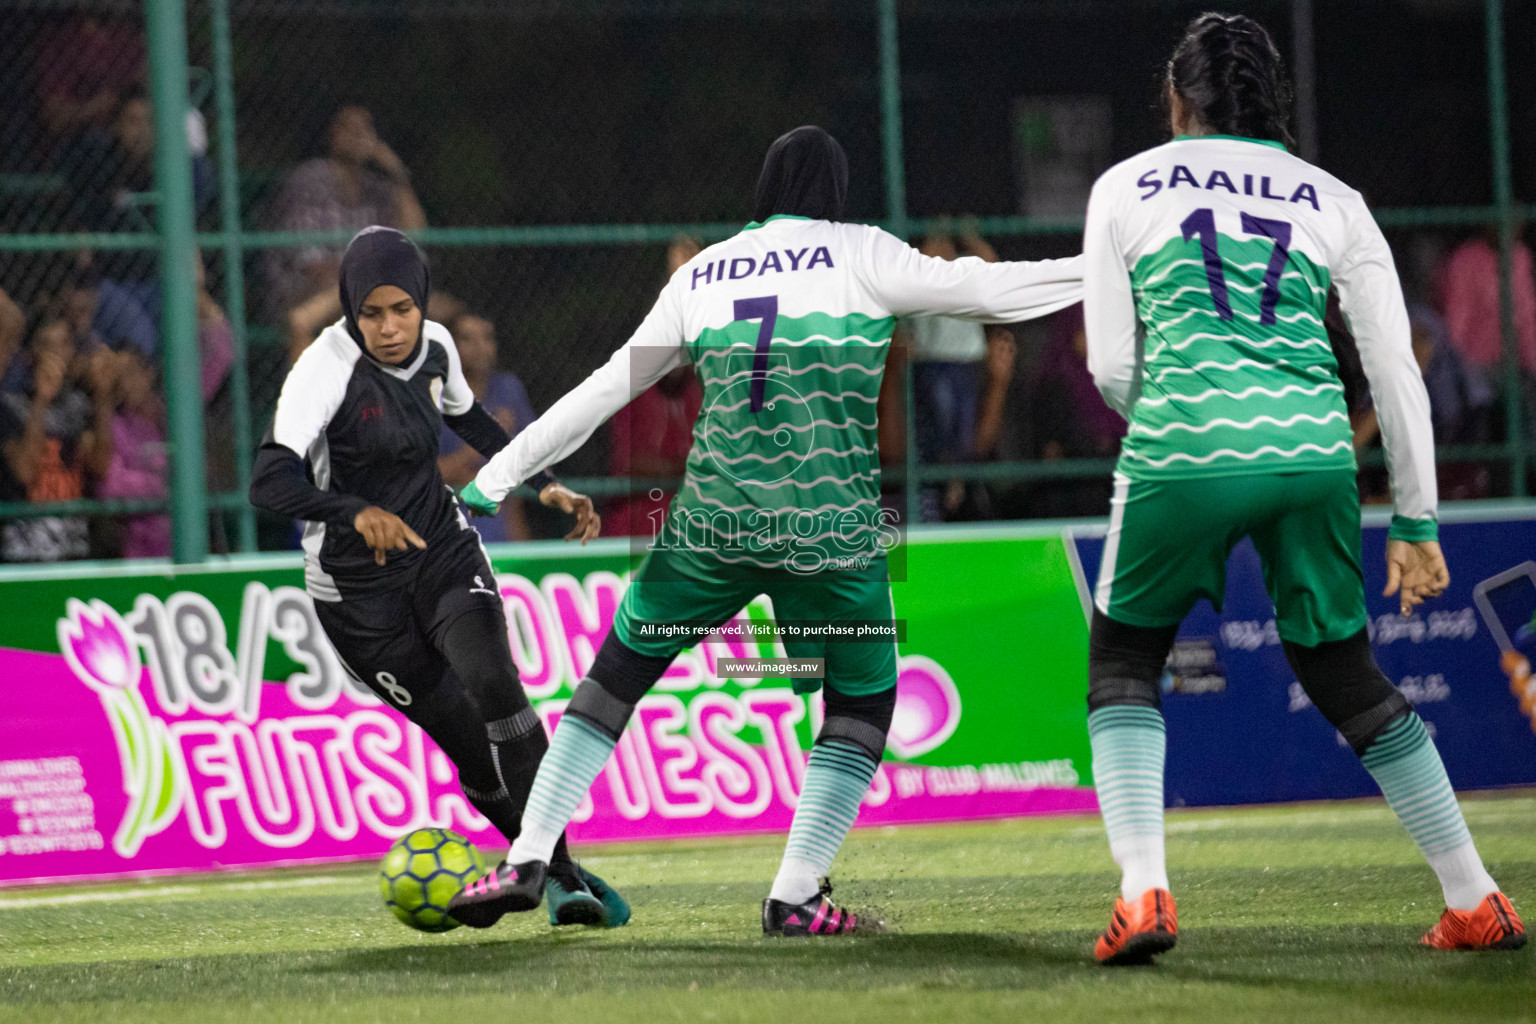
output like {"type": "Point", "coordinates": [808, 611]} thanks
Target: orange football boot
{"type": "Point", "coordinates": [1493, 924]}
{"type": "Point", "coordinates": [1139, 931]}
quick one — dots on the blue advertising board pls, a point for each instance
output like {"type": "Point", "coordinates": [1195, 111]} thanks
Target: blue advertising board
{"type": "Point", "coordinates": [1240, 729]}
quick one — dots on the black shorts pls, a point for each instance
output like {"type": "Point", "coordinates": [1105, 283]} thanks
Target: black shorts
{"type": "Point", "coordinates": [391, 639]}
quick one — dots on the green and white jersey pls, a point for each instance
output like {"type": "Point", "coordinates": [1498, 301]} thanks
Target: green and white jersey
{"type": "Point", "coordinates": [788, 324]}
{"type": "Point", "coordinates": [1208, 266]}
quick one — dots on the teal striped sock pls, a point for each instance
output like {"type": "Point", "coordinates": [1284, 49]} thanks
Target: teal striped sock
{"type": "Point", "coordinates": [1129, 747]}
{"type": "Point", "coordinates": [576, 755]}
{"type": "Point", "coordinates": [1405, 764]}
{"type": "Point", "coordinates": [836, 779]}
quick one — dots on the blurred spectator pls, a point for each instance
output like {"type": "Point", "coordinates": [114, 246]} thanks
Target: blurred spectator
{"type": "Point", "coordinates": [651, 436]}
{"type": "Point", "coordinates": [137, 468]}
{"type": "Point", "coordinates": [107, 312]}
{"type": "Point", "coordinates": [1071, 420]}
{"type": "Point", "coordinates": [215, 338]}
{"type": "Point", "coordinates": [359, 182]}
{"type": "Point", "coordinates": [1461, 403]}
{"type": "Point", "coordinates": [216, 353]}
{"type": "Point", "coordinates": [56, 439]}
{"type": "Point", "coordinates": [1002, 352]}
{"type": "Point", "coordinates": [86, 64]}
{"type": "Point", "coordinates": [504, 397]}
{"type": "Point", "coordinates": [1469, 299]}
{"type": "Point", "coordinates": [13, 326]}
{"type": "Point", "coordinates": [1460, 396]}
{"type": "Point", "coordinates": [949, 368]}
{"type": "Point", "coordinates": [114, 186]}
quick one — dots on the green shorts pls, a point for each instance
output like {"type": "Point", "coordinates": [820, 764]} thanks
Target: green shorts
{"type": "Point", "coordinates": [1168, 544]}
{"type": "Point", "coordinates": [697, 588]}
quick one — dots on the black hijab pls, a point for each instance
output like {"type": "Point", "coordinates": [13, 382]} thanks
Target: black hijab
{"type": "Point", "coordinates": [379, 256]}
{"type": "Point", "coordinates": [805, 173]}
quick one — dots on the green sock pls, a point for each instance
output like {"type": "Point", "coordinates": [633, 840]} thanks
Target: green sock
{"type": "Point", "coordinates": [836, 779]}
{"type": "Point", "coordinates": [576, 755]}
{"type": "Point", "coordinates": [1129, 747]}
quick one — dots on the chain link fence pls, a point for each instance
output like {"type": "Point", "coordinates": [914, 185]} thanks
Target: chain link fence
{"type": "Point", "coordinates": [549, 155]}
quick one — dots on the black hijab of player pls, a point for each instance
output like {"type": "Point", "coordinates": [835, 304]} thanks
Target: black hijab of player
{"type": "Point", "coordinates": [379, 256]}
{"type": "Point", "coordinates": [1229, 76]}
{"type": "Point", "coordinates": [805, 173]}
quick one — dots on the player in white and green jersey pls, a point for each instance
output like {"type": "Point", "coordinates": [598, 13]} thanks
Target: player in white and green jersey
{"type": "Point", "coordinates": [788, 324]}
{"type": "Point", "coordinates": [1208, 264]}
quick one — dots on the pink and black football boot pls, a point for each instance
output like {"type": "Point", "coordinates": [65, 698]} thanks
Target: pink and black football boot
{"type": "Point", "coordinates": [508, 889]}
{"type": "Point", "coordinates": [816, 916]}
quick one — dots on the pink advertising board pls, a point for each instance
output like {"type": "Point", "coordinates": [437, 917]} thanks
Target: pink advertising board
{"type": "Point", "coordinates": [146, 742]}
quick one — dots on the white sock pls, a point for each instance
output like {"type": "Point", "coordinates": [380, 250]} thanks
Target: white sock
{"type": "Point", "coordinates": [797, 881]}
{"type": "Point", "coordinates": [1142, 865]}
{"type": "Point", "coordinates": [533, 843]}
{"type": "Point", "coordinates": [1462, 876]}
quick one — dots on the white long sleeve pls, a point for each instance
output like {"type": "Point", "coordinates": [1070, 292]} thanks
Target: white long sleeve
{"type": "Point", "coordinates": [1109, 311]}
{"type": "Point", "coordinates": [1371, 299]}
{"type": "Point", "coordinates": [655, 349]}
{"type": "Point", "coordinates": [910, 284]}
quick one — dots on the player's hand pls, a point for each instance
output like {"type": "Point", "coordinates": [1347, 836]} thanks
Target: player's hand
{"type": "Point", "coordinates": [385, 532]}
{"type": "Point", "coordinates": [475, 500]}
{"type": "Point", "coordinates": [588, 522]}
{"type": "Point", "coordinates": [1417, 571]}
{"type": "Point", "coordinates": [1521, 683]}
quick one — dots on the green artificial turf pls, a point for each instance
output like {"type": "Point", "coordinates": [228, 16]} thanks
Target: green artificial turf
{"type": "Point", "coordinates": [1305, 913]}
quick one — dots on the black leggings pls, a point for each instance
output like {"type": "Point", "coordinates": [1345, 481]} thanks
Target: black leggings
{"type": "Point", "coordinates": [482, 720]}
{"type": "Point", "coordinates": [1125, 667]}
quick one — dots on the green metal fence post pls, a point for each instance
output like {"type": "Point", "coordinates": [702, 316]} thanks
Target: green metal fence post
{"type": "Point", "coordinates": [896, 218]}
{"type": "Point", "coordinates": [1504, 199]}
{"type": "Point", "coordinates": [166, 35]}
{"type": "Point", "coordinates": [234, 261]}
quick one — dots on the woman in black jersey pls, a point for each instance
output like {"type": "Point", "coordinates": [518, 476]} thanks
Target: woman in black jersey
{"type": "Point", "coordinates": [400, 581]}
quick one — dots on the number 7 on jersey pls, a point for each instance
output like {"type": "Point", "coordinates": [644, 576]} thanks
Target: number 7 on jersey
{"type": "Point", "coordinates": [766, 309]}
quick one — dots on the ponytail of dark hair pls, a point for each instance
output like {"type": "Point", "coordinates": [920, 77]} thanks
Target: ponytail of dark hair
{"type": "Point", "coordinates": [1229, 75]}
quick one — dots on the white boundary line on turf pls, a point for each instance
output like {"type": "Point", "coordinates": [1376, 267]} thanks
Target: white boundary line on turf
{"type": "Point", "coordinates": [164, 890]}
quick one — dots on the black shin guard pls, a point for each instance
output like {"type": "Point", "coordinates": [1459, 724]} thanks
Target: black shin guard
{"type": "Point", "coordinates": [453, 722]}
{"type": "Point", "coordinates": [862, 721]}
{"type": "Point", "coordinates": [1342, 679]}
{"type": "Point", "coordinates": [1125, 663]}
{"type": "Point", "coordinates": [619, 677]}
{"type": "Point", "coordinates": [517, 746]}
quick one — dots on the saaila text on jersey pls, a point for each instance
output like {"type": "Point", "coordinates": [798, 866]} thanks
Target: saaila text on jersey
{"type": "Point", "coordinates": [1152, 182]}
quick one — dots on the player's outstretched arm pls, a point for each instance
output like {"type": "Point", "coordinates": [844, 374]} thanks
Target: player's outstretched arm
{"type": "Point", "coordinates": [910, 284]}
{"type": "Point", "coordinates": [655, 349]}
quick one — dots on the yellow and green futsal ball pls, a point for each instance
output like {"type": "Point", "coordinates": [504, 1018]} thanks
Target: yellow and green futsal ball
{"type": "Point", "coordinates": [423, 871]}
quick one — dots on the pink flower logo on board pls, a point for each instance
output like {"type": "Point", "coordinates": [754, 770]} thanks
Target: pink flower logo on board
{"type": "Point", "coordinates": [98, 646]}
{"type": "Point", "coordinates": [927, 707]}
